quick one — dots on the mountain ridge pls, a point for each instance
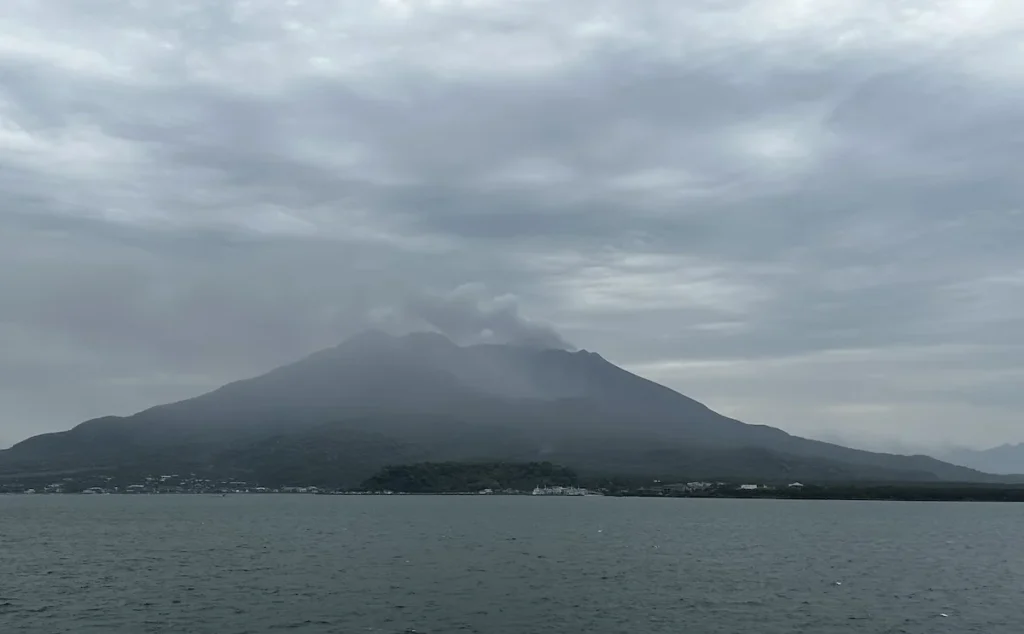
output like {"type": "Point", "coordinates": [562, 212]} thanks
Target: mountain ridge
{"type": "Point", "coordinates": [375, 399]}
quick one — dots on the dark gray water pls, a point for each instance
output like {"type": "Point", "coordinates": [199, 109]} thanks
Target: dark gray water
{"type": "Point", "coordinates": [260, 564]}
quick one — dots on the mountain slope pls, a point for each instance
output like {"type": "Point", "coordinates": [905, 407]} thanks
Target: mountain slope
{"type": "Point", "coordinates": [377, 399]}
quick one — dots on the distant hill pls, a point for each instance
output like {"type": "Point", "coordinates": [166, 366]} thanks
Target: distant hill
{"type": "Point", "coordinates": [1004, 459]}
{"type": "Point", "coordinates": [339, 415]}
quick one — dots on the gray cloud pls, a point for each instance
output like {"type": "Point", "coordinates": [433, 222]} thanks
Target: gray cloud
{"type": "Point", "coordinates": [804, 216]}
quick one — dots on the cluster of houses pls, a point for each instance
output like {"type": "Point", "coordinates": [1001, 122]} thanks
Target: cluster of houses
{"type": "Point", "coordinates": [763, 487]}
{"type": "Point", "coordinates": [692, 488]}
{"type": "Point", "coordinates": [171, 483]}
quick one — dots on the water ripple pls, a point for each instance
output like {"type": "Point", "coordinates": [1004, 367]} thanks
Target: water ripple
{"type": "Point", "coordinates": [315, 565]}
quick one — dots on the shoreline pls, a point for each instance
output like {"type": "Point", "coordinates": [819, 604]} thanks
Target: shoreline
{"type": "Point", "coordinates": [1016, 496]}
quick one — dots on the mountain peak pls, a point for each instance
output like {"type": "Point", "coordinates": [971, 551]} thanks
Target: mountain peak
{"type": "Point", "coordinates": [427, 338]}
{"type": "Point", "coordinates": [370, 335]}
{"type": "Point", "coordinates": [420, 338]}
{"type": "Point", "coordinates": [375, 336]}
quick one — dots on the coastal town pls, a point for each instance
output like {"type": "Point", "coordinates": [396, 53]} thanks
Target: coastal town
{"type": "Point", "coordinates": [172, 484]}
{"type": "Point", "coordinates": [193, 484]}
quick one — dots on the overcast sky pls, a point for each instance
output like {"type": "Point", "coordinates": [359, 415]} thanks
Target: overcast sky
{"type": "Point", "coordinates": [804, 213]}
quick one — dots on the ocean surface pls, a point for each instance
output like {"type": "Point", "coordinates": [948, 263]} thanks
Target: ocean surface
{"type": "Point", "coordinates": [506, 565]}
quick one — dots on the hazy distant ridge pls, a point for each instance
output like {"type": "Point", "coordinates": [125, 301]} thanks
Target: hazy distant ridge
{"type": "Point", "coordinates": [1004, 459]}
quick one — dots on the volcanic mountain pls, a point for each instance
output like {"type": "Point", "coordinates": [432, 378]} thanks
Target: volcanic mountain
{"type": "Point", "coordinates": [336, 416]}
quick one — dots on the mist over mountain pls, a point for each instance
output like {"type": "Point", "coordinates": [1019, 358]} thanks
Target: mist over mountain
{"type": "Point", "coordinates": [879, 444]}
{"type": "Point", "coordinates": [336, 416]}
{"type": "Point", "coordinates": [1004, 459]}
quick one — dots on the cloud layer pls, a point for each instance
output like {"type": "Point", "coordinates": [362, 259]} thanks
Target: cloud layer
{"type": "Point", "coordinates": [805, 214]}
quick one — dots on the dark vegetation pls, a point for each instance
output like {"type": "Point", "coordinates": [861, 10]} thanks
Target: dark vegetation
{"type": "Point", "coordinates": [461, 477]}
{"type": "Point", "coordinates": [909, 492]}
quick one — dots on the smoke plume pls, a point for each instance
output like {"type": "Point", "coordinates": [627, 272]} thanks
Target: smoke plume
{"type": "Point", "coordinates": [470, 314]}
